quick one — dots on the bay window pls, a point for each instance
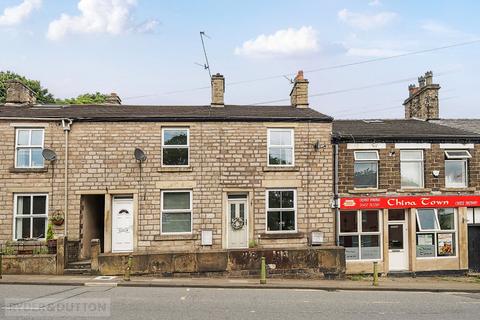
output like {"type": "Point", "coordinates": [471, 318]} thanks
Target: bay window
{"type": "Point", "coordinates": [28, 148]}
{"type": "Point", "coordinates": [411, 168]}
{"type": "Point", "coordinates": [175, 146]}
{"type": "Point", "coordinates": [456, 164]}
{"type": "Point", "coordinates": [30, 219]}
{"type": "Point", "coordinates": [281, 211]}
{"type": "Point", "coordinates": [176, 213]}
{"type": "Point", "coordinates": [436, 232]}
{"type": "Point", "coordinates": [280, 147]}
{"type": "Point", "coordinates": [366, 169]}
{"type": "Point", "coordinates": [360, 234]}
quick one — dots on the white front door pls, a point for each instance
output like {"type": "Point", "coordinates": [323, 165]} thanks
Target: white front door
{"type": "Point", "coordinates": [237, 218]}
{"type": "Point", "coordinates": [122, 224]}
{"type": "Point", "coordinates": [398, 246]}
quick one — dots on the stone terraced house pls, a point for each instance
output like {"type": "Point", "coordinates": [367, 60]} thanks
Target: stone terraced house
{"type": "Point", "coordinates": [170, 179]}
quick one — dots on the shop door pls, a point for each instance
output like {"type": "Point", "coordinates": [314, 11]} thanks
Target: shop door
{"type": "Point", "coordinates": [397, 246]}
{"type": "Point", "coordinates": [122, 224]}
{"type": "Point", "coordinates": [237, 217]}
{"type": "Point", "coordinates": [474, 248]}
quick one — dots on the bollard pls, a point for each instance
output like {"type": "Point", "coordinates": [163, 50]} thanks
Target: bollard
{"type": "Point", "coordinates": [375, 273]}
{"type": "Point", "coordinates": [263, 272]}
{"type": "Point", "coordinates": [126, 276]}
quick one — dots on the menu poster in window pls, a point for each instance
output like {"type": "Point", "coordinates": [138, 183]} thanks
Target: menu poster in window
{"type": "Point", "coordinates": [425, 239]}
{"type": "Point", "coordinates": [425, 247]}
{"type": "Point", "coordinates": [351, 254]}
{"type": "Point", "coordinates": [445, 244]}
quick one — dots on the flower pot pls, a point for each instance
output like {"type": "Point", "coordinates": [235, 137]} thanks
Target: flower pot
{"type": "Point", "coordinates": [52, 246]}
{"type": "Point", "coordinates": [58, 222]}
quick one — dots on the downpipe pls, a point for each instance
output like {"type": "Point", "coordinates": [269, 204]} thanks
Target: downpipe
{"type": "Point", "coordinates": [66, 124]}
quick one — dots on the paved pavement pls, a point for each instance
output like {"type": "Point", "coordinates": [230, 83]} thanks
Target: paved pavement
{"type": "Point", "coordinates": [223, 303]}
{"type": "Point", "coordinates": [432, 284]}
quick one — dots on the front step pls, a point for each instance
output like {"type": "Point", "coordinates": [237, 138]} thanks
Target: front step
{"type": "Point", "coordinates": [79, 267]}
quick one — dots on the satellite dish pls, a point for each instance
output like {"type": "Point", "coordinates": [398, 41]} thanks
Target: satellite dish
{"type": "Point", "coordinates": [140, 155]}
{"type": "Point", "coordinates": [49, 155]}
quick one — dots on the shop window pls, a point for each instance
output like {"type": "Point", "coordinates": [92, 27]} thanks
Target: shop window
{"type": "Point", "coordinates": [473, 215]}
{"type": "Point", "coordinates": [411, 168]}
{"type": "Point", "coordinates": [175, 146]}
{"type": "Point", "coordinates": [280, 147]}
{"type": "Point", "coordinates": [360, 234]}
{"type": "Point", "coordinates": [436, 232]}
{"type": "Point", "coordinates": [281, 212]}
{"type": "Point", "coordinates": [176, 212]}
{"type": "Point", "coordinates": [366, 169]}
{"type": "Point", "coordinates": [456, 166]}
{"type": "Point", "coordinates": [28, 148]}
{"type": "Point", "coordinates": [30, 221]}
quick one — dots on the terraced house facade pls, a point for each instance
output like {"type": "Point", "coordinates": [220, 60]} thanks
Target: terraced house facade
{"type": "Point", "coordinates": [152, 179]}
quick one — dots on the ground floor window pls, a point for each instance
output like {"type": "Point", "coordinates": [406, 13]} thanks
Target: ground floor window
{"type": "Point", "coordinates": [436, 232]}
{"type": "Point", "coordinates": [360, 234]}
{"type": "Point", "coordinates": [176, 211]}
{"type": "Point", "coordinates": [31, 216]}
{"type": "Point", "coordinates": [281, 210]}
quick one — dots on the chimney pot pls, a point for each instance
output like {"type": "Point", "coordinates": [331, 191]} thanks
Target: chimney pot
{"type": "Point", "coordinates": [218, 90]}
{"type": "Point", "coordinates": [19, 94]}
{"type": "Point", "coordinates": [421, 81]}
{"type": "Point", "coordinates": [114, 99]}
{"type": "Point", "coordinates": [428, 77]}
{"type": "Point", "coordinates": [299, 93]}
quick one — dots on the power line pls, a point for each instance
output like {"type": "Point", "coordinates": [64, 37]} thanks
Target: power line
{"type": "Point", "coordinates": [326, 68]}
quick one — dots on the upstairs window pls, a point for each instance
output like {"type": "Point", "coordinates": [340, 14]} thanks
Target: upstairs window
{"type": "Point", "coordinates": [280, 147]}
{"type": "Point", "coordinates": [411, 168]}
{"type": "Point", "coordinates": [175, 147]}
{"type": "Point", "coordinates": [366, 169]}
{"type": "Point", "coordinates": [456, 164]}
{"type": "Point", "coordinates": [28, 148]}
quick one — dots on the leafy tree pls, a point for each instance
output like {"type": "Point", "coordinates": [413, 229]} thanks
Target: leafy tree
{"type": "Point", "coordinates": [86, 98]}
{"type": "Point", "coordinates": [43, 96]}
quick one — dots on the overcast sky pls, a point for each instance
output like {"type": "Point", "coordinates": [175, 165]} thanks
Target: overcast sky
{"type": "Point", "coordinates": [147, 50]}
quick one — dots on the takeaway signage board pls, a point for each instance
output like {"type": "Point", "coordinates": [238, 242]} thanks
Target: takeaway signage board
{"type": "Point", "coordinates": [409, 202]}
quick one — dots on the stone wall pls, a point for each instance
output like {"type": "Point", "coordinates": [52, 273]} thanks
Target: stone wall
{"type": "Point", "coordinates": [30, 264]}
{"type": "Point", "coordinates": [318, 262]}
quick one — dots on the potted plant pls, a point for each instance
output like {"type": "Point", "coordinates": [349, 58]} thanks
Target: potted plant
{"type": "Point", "coordinates": [57, 218]}
{"type": "Point", "coordinates": [51, 242]}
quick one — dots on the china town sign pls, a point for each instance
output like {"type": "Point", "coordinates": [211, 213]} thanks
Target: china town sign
{"type": "Point", "coordinates": [409, 202]}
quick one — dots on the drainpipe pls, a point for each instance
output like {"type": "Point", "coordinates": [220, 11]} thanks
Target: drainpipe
{"type": "Point", "coordinates": [66, 123]}
{"type": "Point", "coordinates": [335, 192]}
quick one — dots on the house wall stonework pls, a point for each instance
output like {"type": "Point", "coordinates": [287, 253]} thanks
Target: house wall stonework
{"type": "Point", "coordinates": [224, 157]}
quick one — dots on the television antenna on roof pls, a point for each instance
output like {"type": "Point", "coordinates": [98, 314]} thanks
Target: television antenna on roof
{"type": "Point", "coordinates": [206, 65]}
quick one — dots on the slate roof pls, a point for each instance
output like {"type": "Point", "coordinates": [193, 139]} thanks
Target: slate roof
{"type": "Point", "coordinates": [472, 125]}
{"type": "Point", "coordinates": [165, 113]}
{"type": "Point", "coordinates": [401, 130]}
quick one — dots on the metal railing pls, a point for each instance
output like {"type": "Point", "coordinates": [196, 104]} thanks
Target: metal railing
{"type": "Point", "coordinates": [27, 248]}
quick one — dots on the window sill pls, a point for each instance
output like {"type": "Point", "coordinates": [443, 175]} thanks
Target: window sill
{"type": "Point", "coordinates": [28, 170]}
{"type": "Point", "coordinates": [175, 169]}
{"type": "Point", "coordinates": [367, 190]}
{"type": "Point", "coordinates": [465, 189]}
{"type": "Point", "coordinates": [281, 169]}
{"type": "Point", "coordinates": [175, 237]}
{"type": "Point", "coordinates": [414, 190]}
{"type": "Point", "coordinates": [295, 235]}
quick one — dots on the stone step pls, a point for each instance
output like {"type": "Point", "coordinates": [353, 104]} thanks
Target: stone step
{"type": "Point", "coordinates": [86, 264]}
{"type": "Point", "coordinates": [77, 271]}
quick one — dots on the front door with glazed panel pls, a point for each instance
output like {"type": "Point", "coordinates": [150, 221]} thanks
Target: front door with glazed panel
{"type": "Point", "coordinates": [237, 221]}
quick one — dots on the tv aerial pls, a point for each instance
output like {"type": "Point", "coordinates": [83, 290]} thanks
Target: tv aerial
{"type": "Point", "coordinates": [206, 65]}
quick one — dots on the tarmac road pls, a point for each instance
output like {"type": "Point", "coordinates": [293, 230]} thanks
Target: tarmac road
{"type": "Point", "coordinates": [204, 303]}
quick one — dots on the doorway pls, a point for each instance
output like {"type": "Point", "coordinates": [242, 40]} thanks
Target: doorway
{"type": "Point", "coordinates": [237, 221]}
{"type": "Point", "coordinates": [397, 240]}
{"type": "Point", "coordinates": [122, 224]}
{"type": "Point", "coordinates": [474, 248]}
{"type": "Point", "coordinates": [93, 222]}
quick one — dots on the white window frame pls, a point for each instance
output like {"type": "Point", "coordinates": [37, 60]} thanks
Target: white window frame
{"type": "Point", "coordinates": [292, 146]}
{"type": "Point", "coordinates": [466, 155]}
{"type": "Point", "coordinates": [187, 146]}
{"type": "Point", "coordinates": [464, 184]}
{"type": "Point", "coordinates": [413, 161]}
{"type": "Point", "coordinates": [435, 235]}
{"type": "Point", "coordinates": [29, 146]}
{"type": "Point", "coordinates": [359, 233]}
{"type": "Point", "coordinates": [31, 215]}
{"type": "Point", "coordinates": [162, 211]}
{"type": "Point", "coordinates": [267, 209]}
{"type": "Point", "coordinates": [435, 213]}
{"type": "Point", "coordinates": [376, 161]}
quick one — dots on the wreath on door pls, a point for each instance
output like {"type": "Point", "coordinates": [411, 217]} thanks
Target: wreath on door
{"type": "Point", "coordinates": [237, 223]}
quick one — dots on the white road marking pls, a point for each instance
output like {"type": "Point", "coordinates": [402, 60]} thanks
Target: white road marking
{"type": "Point", "coordinates": [100, 284]}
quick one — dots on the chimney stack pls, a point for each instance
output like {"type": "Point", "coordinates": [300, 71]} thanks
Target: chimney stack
{"type": "Point", "coordinates": [19, 94]}
{"type": "Point", "coordinates": [218, 90]}
{"type": "Point", "coordinates": [299, 93]}
{"type": "Point", "coordinates": [422, 102]}
{"type": "Point", "coordinates": [114, 99]}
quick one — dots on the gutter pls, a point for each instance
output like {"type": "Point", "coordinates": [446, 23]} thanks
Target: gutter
{"type": "Point", "coordinates": [66, 124]}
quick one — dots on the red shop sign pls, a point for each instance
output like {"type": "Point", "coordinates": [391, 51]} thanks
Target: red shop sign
{"type": "Point", "coordinates": [409, 202]}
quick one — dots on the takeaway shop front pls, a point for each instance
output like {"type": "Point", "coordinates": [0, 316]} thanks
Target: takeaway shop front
{"type": "Point", "coordinates": [405, 233]}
